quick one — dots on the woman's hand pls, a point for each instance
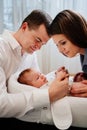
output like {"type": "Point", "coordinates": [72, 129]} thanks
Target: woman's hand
{"type": "Point", "coordinates": [79, 89]}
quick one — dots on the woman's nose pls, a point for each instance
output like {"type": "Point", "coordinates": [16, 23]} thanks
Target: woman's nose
{"type": "Point", "coordinates": [61, 49]}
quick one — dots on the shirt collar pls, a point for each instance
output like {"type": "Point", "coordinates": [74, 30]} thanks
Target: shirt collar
{"type": "Point", "coordinates": [7, 35]}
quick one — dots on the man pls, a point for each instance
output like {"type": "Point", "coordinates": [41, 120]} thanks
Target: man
{"type": "Point", "coordinates": [33, 33]}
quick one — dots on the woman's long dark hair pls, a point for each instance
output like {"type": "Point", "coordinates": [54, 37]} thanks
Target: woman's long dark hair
{"type": "Point", "coordinates": [72, 25]}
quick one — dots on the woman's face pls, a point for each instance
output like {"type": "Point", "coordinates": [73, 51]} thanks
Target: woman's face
{"type": "Point", "coordinates": [65, 46]}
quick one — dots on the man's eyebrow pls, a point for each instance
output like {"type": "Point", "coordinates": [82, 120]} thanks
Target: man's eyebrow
{"type": "Point", "coordinates": [39, 39]}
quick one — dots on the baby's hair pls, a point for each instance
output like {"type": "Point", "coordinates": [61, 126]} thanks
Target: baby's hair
{"type": "Point", "coordinates": [21, 78]}
{"type": "Point", "coordinates": [80, 76]}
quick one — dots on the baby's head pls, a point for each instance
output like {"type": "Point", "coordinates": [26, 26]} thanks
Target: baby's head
{"type": "Point", "coordinates": [80, 77]}
{"type": "Point", "coordinates": [32, 77]}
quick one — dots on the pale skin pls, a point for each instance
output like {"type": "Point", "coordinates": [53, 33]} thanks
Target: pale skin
{"type": "Point", "coordinates": [64, 46]}
{"type": "Point", "coordinates": [35, 78]}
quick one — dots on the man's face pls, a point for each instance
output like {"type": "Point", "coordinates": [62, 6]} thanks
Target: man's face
{"type": "Point", "coordinates": [32, 40]}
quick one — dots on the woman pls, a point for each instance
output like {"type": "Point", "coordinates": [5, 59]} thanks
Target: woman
{"type": "Point", "coordinates": [69, 30]}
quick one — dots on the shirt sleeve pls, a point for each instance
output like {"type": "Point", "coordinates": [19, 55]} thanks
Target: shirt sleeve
{"type": "Point", "coordinates": [16, 104]}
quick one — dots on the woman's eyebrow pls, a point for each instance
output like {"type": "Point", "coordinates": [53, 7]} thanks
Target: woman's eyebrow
{"type": "Point", "coordinates": [61, 41]}
{"type": "Point", "coordinates": [36, 76]}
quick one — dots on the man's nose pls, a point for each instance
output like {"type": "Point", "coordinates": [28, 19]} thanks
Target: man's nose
{"type": "Point", "coordinates": [38, 46]}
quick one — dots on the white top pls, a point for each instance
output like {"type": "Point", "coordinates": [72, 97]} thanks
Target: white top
{"type": "Point", "coordinates": [16, 104]}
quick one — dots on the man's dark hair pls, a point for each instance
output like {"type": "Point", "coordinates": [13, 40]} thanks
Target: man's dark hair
{"type": "Point", "coordinates": [38, 17]}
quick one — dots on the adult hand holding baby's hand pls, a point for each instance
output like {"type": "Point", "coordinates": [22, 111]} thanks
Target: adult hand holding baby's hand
{"type": "Point", "coordinates": [61, 73]}
{"type": "Point", "coordinates": [59, 87]}
{"type": "Point", "coordinates": [79, 89]}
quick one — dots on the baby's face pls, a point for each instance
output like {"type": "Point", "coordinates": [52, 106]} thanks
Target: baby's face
{"type": "Point", "coordinates": [37, 79]}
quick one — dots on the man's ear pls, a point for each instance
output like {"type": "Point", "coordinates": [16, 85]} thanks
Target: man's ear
{"type": "Point", "coordinates": [24, 25]}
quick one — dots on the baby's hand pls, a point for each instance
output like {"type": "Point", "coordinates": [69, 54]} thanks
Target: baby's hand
{"type": "Point", "coordinates": [62, 74]}
{"type": "Point", "coordinates": [62, 69]}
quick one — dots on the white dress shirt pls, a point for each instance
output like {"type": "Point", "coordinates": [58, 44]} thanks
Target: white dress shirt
{"type": "Point", "coordinates": [16, 105]}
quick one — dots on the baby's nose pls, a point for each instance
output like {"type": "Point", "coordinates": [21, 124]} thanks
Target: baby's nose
{"type": "Point", "coordinates": [42, 76]}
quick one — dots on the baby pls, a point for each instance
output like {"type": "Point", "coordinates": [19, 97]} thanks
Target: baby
{"type": "Point", "coordinates": [34, 78]}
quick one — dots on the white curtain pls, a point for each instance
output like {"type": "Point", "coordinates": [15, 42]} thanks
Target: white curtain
{"type": "Point", "coordinates": [12, 12]}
